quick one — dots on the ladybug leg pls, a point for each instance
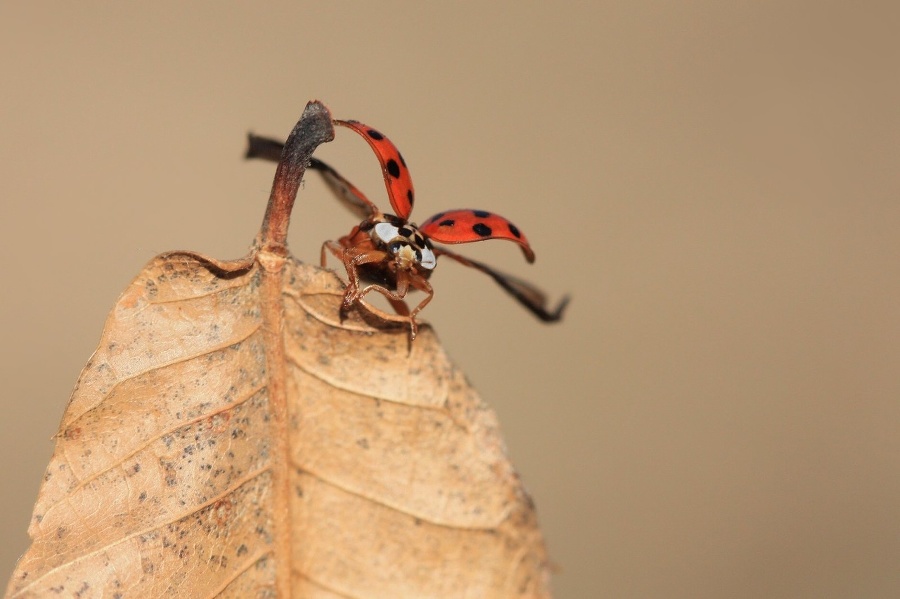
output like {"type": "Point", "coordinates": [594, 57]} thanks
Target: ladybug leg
{"type": "Point", "coordinates": [404, 280]}
{"type": "Point", "coordinates": [420, 283]}
{"type": "Point", "coordinates": [341, 253]}
{"type": "Point", "coordinates": [353, 259]}
{"type": "Point", "coordinates": [335, 248]}
{"type": "Point", "coordinates": [392, 296]}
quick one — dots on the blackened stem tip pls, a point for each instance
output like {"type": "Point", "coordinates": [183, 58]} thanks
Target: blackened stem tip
{"type": "Point", "coordinates": [313, 128]}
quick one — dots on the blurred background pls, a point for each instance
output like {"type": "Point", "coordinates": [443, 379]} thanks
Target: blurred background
{"type": "Point", "coordinates": [716, 184]}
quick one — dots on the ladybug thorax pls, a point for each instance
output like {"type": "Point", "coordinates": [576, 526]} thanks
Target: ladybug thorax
{"type": "Point", "coordinates": [405, 243]}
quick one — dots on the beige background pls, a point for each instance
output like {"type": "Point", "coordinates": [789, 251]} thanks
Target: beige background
{"type": "Point", "coordinates": [715, 183]}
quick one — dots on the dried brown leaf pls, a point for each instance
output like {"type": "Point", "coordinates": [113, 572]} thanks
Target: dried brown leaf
{"type": "Point", "coordinates": [231, 437]}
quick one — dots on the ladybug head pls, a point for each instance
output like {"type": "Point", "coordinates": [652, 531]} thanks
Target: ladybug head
{"type": "Point", "coordinates": [406, 244]}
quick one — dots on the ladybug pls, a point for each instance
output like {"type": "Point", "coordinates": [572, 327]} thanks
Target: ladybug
{"type": "Point", "coordinates": [388, 254]}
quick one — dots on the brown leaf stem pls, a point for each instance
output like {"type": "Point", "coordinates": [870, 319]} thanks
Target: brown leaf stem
{"type": "Point", "coordinates": [313, 128]}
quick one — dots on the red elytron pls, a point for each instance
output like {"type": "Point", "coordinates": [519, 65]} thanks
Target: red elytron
{"type": "Point", "coordinates": [388, 254]}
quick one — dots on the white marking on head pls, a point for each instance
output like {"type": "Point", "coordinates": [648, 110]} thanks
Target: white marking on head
{"type": "Point", "coordinates": [429, 260]}
{"type": "Point", "coordinates": [386, 232]}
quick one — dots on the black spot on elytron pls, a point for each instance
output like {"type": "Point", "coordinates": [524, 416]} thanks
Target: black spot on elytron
{"type": "Point", "coordinates": [447, 223]}
{"type": "Point", "coordinates": [375, 134]}
{"type": "Point", "coordinates": [400, 156]}
{"type": "Point", "coordinates": [481, 213]}
{"type": "Point", "coordinates": [393, 168]}
{"type": "Point", "coordinates": [515, 230]}
{"type": "Point", "coordinates": [409, 196]}
{"type": "Point", "coordinates": [405, 231]}
{"type": "Point", "coordinates": [482, 229]}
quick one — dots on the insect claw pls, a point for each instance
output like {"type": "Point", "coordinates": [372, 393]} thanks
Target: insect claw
{"type": "Point", "coordinates": [413, 331]}
{"type": "Point", "coordinates": [351, 296]}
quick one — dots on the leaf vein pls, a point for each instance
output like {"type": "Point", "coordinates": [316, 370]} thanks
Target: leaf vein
{"type": "Point", "coordinates": [161, 366]}
{"type": "Point", "coordinates": [240, 571]}
{"type": "Point", "coordinates": [176, 517]}
{"type": "Point", "coordinates": [84, 482]}
{"type": "Point", "coordinates": [392, 507]}
{"type": "Point", "coordinates": [369, 394]}
{"type": "Point", "coordinates": [322, 585]}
